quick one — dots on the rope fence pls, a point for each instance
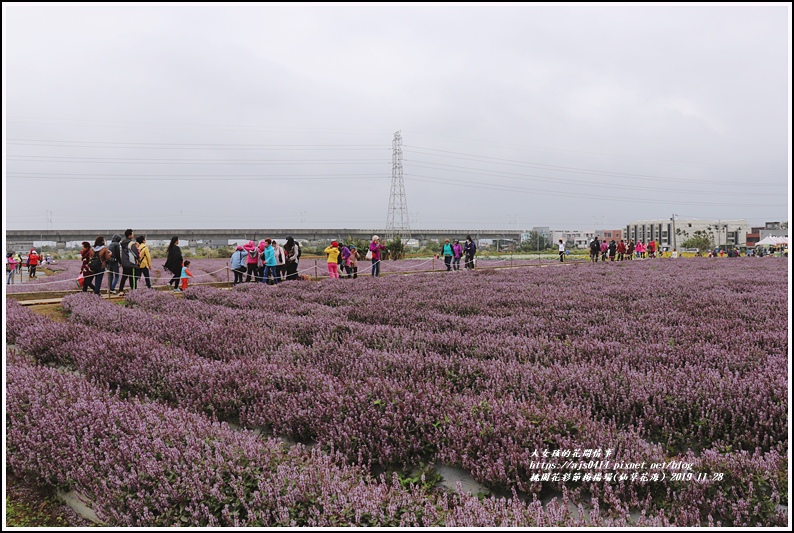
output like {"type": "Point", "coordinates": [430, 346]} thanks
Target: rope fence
{"type": "Point", "coordinates": [364, 270]}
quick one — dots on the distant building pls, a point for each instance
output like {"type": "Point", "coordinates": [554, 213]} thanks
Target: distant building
{"type": "Point", "coordinates": [769, 229]}
{"type": "Point", "coordinates": [610, 234]}
{"type": "Point", "coordinates": [579, 238]}
{"type": "Point", "coordinates": [671, 233]}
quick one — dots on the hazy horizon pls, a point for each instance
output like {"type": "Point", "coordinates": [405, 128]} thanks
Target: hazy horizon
{"type": "Point", "coordinates": [283, 116]}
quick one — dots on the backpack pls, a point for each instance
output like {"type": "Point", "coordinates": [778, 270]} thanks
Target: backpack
{"type": "Point", "coordinates": [131, 255]}
{"type": "Point", "coordinates": [95, 265]}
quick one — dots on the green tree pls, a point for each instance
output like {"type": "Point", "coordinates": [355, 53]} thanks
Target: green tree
{"type": "Point", "coordinates": [361, 245]}
{"type": "Point", "coordinates": [433, 246]}
{"type": "Point", "coordinates": [396, 248]}
{"type": "Point", "coordinates": [701, 239]}
{"type": "Point", "coordinates": [535, 243]}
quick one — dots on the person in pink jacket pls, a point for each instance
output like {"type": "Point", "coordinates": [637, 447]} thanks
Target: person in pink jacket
{"type": "Point", "coordinates": [604, 249]}
{"type": "Point", "coordinates": [11, 267]}
{"type": "Point", "coordinates": [376, 247]}
{"type": "Point", "coordinates": [640, 250]}
{"type": "Point", "coordinates": [250, 261]}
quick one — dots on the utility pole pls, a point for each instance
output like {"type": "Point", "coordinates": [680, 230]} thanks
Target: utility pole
{"type": "Point", "coordinates": [674, 239]}
{"type": "Point", "coordinates": [397, 222]}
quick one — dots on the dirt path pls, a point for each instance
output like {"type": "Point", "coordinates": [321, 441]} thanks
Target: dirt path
{"type": "Point", "coordinates": [52, 311]}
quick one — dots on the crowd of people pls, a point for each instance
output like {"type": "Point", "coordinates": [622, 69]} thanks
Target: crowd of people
{"type": "Point", "coordinates": [452, 254]}
{"type": "Point", "coordinates": [128, 260]}
{"type": "Point", "coordinates": [266, 262]}
{"type": "Point", "coordinates": [623, 251]}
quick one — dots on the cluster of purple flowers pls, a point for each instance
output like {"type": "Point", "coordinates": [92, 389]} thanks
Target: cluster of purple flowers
{"type": "Point", "coordinates": [144, 464]}
{"type": "Point", "coordinates": [478, 371]}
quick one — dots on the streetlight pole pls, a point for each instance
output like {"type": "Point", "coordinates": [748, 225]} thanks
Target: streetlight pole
{"type": "Point", "coordinates": [674, 238]}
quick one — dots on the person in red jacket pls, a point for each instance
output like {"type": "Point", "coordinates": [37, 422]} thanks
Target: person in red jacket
{"type": "Point", "coordinates": [33, 261]}
{"type": "Point", "coordinates": [621, 249]}
{"type": "Point", "coordinates": [651, 249]}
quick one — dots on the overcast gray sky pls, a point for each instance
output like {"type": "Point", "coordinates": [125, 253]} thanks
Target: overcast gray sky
{"type": "Point", "coordinates": [271, 116]}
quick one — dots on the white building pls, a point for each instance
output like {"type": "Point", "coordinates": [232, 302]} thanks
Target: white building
{"type": "Point", "coordinates": [579, 238]}
{"type": "Point", "coordinates": [672, 233]}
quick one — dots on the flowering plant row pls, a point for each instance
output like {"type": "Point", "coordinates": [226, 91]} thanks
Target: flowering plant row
{"type": "Point", "coordinates": [635, 378]}
{"type": "Point", "coordinates": [144, 464]}
{"type": "Point", "coordinates": [332, 371]}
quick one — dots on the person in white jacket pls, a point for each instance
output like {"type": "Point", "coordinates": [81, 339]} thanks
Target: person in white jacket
{"type": "Point", "coordinates": [281, 261]}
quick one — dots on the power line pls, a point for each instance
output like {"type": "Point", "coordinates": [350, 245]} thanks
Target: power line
{"type": "Point", "coordinates": [71, 122]}
{"type": "Point", "coordinates": [510, 188]}
{"type": "Point", "coordinates": [70, 159]}
{"type": "Point", "coordinates": [599, 154]}
{"type": "Point", "coordinates": [533, 177]}
{"type": "Point", "coordinates": [561, 168]}
{"type": "Point", "coordinates": [204, 178]}
{"type": "Point", "coordinates": [187, 146]}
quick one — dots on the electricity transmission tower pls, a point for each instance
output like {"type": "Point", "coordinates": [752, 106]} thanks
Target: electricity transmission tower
{"type": "Point", "coordinates": [397, 223]}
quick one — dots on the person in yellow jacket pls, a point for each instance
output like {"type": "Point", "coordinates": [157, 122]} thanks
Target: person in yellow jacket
{"type": "Point", "coordinates": [333, 259]}
{"type": "Point", "coordinates": [145, 260]}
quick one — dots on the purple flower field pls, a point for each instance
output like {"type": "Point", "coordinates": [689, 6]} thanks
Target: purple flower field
{"type": "Point", "coordinates": [492, 371]}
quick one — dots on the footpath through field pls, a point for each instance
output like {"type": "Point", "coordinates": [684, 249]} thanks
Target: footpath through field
{"type": "Point", "coordinates": [55, 297]}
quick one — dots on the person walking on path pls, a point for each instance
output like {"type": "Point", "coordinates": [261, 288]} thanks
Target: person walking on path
{"type": "Point", "coordinates": [595, 248]}
{"type": "Point", "coordinates": [561, 248]}
{"type": "Point", "coordinates": [470, 249]}
{"type": "Point", "coordinates": [250, 261]}
{"type": "Point", "coordinates": [604, 250]}
{"type": "Point", "coordinates": [99, 260]}
{"type": "Point", "coordinates": [344, 254]}
{"type": "Point", "coordinates": [85, 269]}
{"type": "Point", "coordinates": [144, 261]}
{"type": "Point", "coordinates": [333, 260]}
{"type": "Point", "coordinates": [270, 264]}
{"type": "Point", "coordinates": [129, 260]}
{"type": "Point", "coordinates": [640, 250]}
{"type": "Point", "coordinates": [613, 248]}
{"type": "Point", "coordinates": [457, 253]}
{"type": "Point", "coordinates": [238, 264]}
{"type": "Point", "coordinates": [11, 267]}
{"type": "Point", "coordinates": [33, 261]}
{"type": "Point", "coordinates": [621, 250]}
{"type": "Point", "coordinates": [183, 276]}
{"type": "Point", "coordinates": [448, 253]}
{"type": "Point", "coordinates": [354, 257]}
{"type": "Point", "coordinates": [375, 247]}
{"type": "Point", "coordinates": [113, 263]}
{"type": "Point", "coordinates": [173, 262]}
{"type": "Point", "coordinates": [260, 260]}
{"type": "Point", "coordinates": [291, 251]}
{"type": "Point", "coordinates": [281, 260]}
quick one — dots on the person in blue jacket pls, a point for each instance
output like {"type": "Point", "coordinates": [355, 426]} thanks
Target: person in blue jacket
{"type": "Point", "coordinates": [448, 254]}
{"type": "Point", "coordinates": [238, 264]}
{"type": "Point", "coordinates": [270, 264]}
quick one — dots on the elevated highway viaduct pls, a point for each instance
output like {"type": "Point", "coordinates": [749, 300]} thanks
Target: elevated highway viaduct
{"type": "Point", "coordinates": [218, 237]}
